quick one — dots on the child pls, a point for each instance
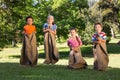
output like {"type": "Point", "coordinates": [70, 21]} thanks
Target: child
{"type": "Point", "coordinates": [51, 52]}
{"type": "Point", "coordinates": [75, 57]}
{"type": "Point", "coordinates": [100, 52]}
{"type": "Point", "coordinates": [29, 48]}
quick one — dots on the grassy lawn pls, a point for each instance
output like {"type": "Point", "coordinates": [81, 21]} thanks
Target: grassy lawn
{"type": "Point", "coordinates": [10, 69]}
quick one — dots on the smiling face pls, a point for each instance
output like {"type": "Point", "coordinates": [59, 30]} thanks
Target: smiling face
{"type": "Point", "coordinates": [50, 19]}
{"type": "Point", "coordinates": [98, 28]}
{"type": "Point", "coordinates": [29, 21]}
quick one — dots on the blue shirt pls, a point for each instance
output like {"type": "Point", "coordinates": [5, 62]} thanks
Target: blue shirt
{"type": "Point", "coordinates": [54, 27]}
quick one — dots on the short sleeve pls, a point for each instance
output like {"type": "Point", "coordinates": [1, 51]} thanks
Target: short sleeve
{"type": "Point", "coordinates": [35, 28]}
{"type": "Point", "coordinates": [104, 36]}
{"type": "Point", "coordinates": [54, 27]}
{"type": "Point", "coordinates": [94, 37]}
{"type": "Point", "coordinates": [45, 25]}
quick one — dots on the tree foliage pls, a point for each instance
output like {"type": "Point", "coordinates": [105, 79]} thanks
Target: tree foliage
{"type": "Point", "coordinates": [67, 13]}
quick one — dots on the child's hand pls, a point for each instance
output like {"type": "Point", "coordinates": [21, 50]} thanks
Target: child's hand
{"type": "Point", "coordinates": [48, 30]}
{"type": "Point", "coordinates": [70, 46]}
{"type": "Point", "coordinates": [99, 42]}
{"type": "Point", "coordinates": [99, 39]}
{"type": "Point", "coordinates": [75, 49]}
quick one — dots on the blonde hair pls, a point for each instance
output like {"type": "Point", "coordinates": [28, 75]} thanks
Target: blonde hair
{"type": "Point", "coordinates": [50, 16]}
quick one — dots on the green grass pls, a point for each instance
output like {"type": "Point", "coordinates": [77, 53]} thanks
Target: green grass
{"type": "Point", "coordinates": [10, 69]}
{"type": "Point", "coordinates": [13, 71]}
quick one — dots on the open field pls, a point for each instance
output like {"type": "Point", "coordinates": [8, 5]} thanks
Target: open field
{"type": "Point", "coordinates": [10, 69]}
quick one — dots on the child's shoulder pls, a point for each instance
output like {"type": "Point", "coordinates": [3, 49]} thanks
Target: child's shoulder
{"type": "Point", "coordinates": [45, 25]}
{"type": "Point", "coordinates": [25, 26]}
{"type": "Point", "coordinates": [54, 25]}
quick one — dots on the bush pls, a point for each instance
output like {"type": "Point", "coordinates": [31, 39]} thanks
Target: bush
{"type": "Point", "coordinates": [86, 35]}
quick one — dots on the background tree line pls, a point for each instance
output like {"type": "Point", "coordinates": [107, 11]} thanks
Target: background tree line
{"type": "Point", "coordinates": [67, 13]}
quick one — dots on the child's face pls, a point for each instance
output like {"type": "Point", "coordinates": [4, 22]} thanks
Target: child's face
{"type": "Point", "coordinates": [73, 33]}
{"type": "Point", "coordinates": [50, 20]}
{"type": "Point", "coordinates": [98, 28]}
{"type": "Point", "coordinates": [29, 21]}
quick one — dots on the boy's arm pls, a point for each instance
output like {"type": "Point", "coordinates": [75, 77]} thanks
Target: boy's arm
{"type": "Point", "coordinates": [101, 40]}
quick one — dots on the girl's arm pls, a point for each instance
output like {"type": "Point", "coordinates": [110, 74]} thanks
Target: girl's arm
{"type": "Point", "coordinates": [53, 32]}
{"type": "Point", "coordinates": [80, 43]}
{"type": "Point", "coordinates": [46, 30]}
{"type": "Point", "coordinates": [69, 46]}
{"type": "Point", "coordinates": [68, 43]}
{"type": "Point", "coordinates": [49, 30]}
{"type": "Point", "coordinates": [76, 48]}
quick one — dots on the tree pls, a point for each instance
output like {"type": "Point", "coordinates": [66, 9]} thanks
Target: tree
{"type": "Point", "coordinates": [13, 11]}
{"type": "Point", "coordinates": [110, 11]}
{"type": "Point", "coordinates": [106, 11]}
{"type": "Point", "coordinates": [67, 13]}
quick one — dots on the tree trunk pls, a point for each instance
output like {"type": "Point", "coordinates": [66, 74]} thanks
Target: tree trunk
{"type": "Point", "coordinates": [112, 33]}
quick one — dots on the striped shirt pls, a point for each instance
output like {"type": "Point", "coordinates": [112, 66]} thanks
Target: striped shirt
{"type": "Point", "coordinates": [102, 35]}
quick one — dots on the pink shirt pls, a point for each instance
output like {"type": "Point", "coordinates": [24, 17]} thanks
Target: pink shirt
{"type": "Point", "coordinates": [74, 43]}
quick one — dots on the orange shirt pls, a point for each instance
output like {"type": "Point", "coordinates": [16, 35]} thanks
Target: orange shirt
{"type": "Point", "coordinates": [29, 29]}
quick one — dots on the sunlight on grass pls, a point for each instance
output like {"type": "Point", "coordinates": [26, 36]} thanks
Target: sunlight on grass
{"type": "Point", "coordinates": [114, 40]}
{"type": "Point", "coordinates": [12, 55]}
{"type": "Point", "coordinates": [9, 62]}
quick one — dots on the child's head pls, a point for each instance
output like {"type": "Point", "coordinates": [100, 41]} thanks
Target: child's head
{"type": "Point", "coordinates": [73, 31]}
{"type": "Point", "coordinates": [50, 19]}
{"type": "Point", "coordinates": [29, 20]}
{"type": "Point", "coordinates": [98, 27]}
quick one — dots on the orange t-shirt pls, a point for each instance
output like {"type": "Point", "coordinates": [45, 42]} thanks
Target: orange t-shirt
{"type": "Point", "coordinates": [29, 29]}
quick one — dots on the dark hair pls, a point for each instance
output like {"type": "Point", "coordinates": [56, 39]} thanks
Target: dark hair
{"type": "Point", "coordinates": [72, 28]}
{"type": "Point", "coordinates": [98, 23]}
{"type": "Point", "coordinates": [29, 17]}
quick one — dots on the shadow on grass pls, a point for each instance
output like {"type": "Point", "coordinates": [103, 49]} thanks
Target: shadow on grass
{"type": "Point", "coordinates": [64, 52]}
{"type": "Point", "coordinates": [14, 71]}
{"type": "Point", "coordinates": [113, 48]}
{"type": "Point", "coordinates": [86, 51]}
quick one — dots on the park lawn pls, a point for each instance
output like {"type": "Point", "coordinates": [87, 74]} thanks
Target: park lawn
{"type": "Point", "coordinates": [10, 69]}
{"type": "Point", "coordinates": [13, 71]}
